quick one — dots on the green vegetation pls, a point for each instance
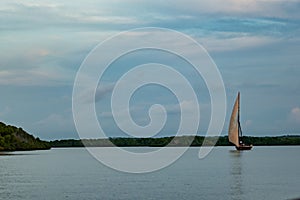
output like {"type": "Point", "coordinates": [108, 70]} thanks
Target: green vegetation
{"type": "Point", "coordinates": [16, 139]}
{"type": "Point", "coordinates": [175, 141]}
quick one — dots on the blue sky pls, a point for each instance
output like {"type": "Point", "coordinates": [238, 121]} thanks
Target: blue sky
{"type": "Point", "coordinates": [254, 43]}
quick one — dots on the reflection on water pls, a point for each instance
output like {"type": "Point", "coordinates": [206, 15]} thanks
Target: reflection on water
{"type": "Point", "coordinates": [236, 173]}
{"type": "Point", "coordinates": [8, 153]}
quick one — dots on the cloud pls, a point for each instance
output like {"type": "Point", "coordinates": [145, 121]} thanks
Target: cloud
{"type": "Point", "coordinates": [186, 106]}
{"type": "Point", "coordinates": [294, 115]}
{"type": "Point", "coordinates": [101, 92]}
{"type": "Point", "coordinates": [39, 5]}
{"type": "Point", "coordinates": [265, 8]}
{"type": "Point", "coordinates": [132, 13]}
{"type": "Point", "coordinates": [140, 114]}
{"type": "Point", "coordinates": [215, 44]}
{"type": "Point", "coordinates": [44, 42]}
{"type": "Point", "coordinates": [34, 77]}
{"type": "Point", "coordinates": [41, 59]}
{"type": "Point", "coordinates": [32, 15]}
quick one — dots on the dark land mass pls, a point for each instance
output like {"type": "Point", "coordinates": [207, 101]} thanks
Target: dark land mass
{"type": "Point", "coordinates": [16, 139]}
{"type": "Point", "coordinates": [176, 141]}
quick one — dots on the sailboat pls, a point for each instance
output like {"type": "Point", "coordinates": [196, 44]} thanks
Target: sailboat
{"type": "Point", "coordinates": [235, 130]}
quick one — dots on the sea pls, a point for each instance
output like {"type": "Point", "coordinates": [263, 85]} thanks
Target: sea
{"type": "Point", "coordinates": [271, 172]}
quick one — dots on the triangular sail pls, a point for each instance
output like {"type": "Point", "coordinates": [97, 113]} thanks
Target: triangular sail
{"type": "Point", "coordinates": [233, 132]}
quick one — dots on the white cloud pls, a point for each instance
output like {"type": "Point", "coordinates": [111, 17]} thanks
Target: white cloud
{"type": "Point", "coordinates": [34, 77]}
{"type": "Point", "coordinates": [294, 115]}
{"type": "Point", "coordinates": [258, 8]}
{"type": "Point", "coordinates": [186, 106]}
{"type": "Point", "coordinates": [35, 4]}
{"type": "Point", "coordinates": [138, 13]}
{"type": "Point", "coordinates": [102, 91]}
{"type": "Point", "coordinates": [103, 19]}
{"type": "Point", "coordinates": [235, 43]}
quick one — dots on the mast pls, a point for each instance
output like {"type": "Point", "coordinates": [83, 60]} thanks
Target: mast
{"type": "Point", "coordinates": [239, 124]}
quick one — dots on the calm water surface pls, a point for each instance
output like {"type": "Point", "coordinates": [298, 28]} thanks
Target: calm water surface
{"type": "Point", "coordinates": [263, 173]}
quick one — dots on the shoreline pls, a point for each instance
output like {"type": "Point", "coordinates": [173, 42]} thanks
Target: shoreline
{"type": "Point", "coordinates": [179, 141]}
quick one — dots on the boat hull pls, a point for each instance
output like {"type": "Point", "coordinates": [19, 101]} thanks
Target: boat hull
{"type": "Point", "coordinates": [243, 147]}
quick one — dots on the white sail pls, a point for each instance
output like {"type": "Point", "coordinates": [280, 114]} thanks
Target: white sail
{"type": "Point", "coordinates": [233, 132]}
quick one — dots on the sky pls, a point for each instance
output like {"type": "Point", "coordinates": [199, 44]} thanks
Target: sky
{"type": "Point", "coordinates": [254, 43]}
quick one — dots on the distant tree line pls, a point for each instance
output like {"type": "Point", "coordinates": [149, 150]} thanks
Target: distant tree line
{"type": "Point", "coordinates": [13, 139]}
{"type": "Point", "coordinates": [175, 141]}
